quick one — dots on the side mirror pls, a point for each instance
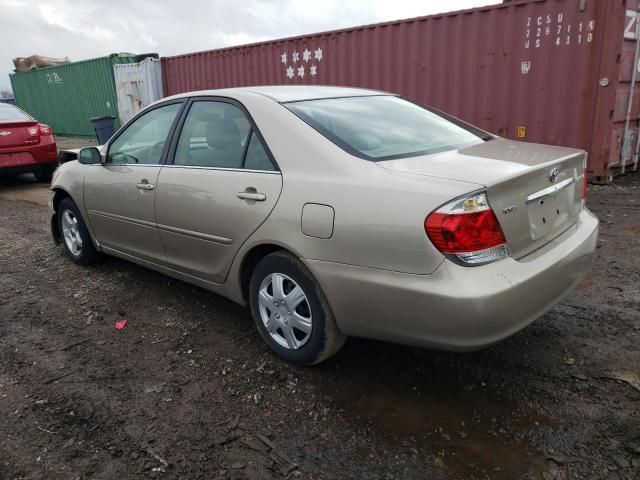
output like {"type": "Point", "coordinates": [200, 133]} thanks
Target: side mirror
{"type": "Point", "coordinates": [89, 156]}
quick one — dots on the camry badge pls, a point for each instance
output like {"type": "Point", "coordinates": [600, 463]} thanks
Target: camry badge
{"type": "Point", "coordinates": [553, 175]}
{"type": "Point", "coordinates": [4, 133]}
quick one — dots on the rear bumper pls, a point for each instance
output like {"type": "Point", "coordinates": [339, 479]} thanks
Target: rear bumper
{"type": "Point", "coordinates": [456, 307]}
{"type": "Point", "coordinates": [28, 159]}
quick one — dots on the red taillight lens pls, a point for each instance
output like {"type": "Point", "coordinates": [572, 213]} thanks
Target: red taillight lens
{"type": "Point", "coordinates": [467, 231]}
{"type": "Point", "coordinates": [464, 232]}
{"type": "Point", "coordinates": [45, 129]}
{"type": "Point", "coordinates": [33, 131]}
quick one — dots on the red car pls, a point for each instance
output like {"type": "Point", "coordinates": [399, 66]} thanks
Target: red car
{"type": "Point", "coordinates": [26, 145]}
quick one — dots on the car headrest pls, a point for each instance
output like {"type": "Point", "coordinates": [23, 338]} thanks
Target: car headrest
{"type": "Point", "coordinates": [223, 133]}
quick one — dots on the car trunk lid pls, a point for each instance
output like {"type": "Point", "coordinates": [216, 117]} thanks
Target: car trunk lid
{"type": "Point", "coordinates": [19, 133]}
{"type": "Point", "coordinates": [535, 190]}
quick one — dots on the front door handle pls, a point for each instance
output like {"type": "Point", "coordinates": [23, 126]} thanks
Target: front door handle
{"type": "Point", "coordinates": [145, 185]}
{"type": "Point", "coordinates": [256, 197]}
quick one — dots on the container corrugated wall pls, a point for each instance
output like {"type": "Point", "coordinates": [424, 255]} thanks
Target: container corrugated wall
{"type": "Point", "coordinates": [540, 70]}
{"type": "Point", "coordinates": [65, 97]}
{"type": "Point", "coordinates": [137, 85]}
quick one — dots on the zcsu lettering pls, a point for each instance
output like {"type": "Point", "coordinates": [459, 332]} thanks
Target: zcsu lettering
{"type": "Point", "coordinates": [564, 32]}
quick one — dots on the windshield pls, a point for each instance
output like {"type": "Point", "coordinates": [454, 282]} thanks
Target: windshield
{"type": "Point", "coordinates": [385, 127]}
{"type": "Point", "coordinates": [9, 112]}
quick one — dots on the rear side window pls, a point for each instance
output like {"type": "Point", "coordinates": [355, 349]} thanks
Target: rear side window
{"type": "Point", "coordinates": [214, 135]}
{"type": "Point", "coordinates": [8, 112]}
{"type": "Point", "coordinates": [219, 135]}
{"type": "Point", "coordinates": [384, 127]}
{"type": "Point", "coordinates": [257, 157]}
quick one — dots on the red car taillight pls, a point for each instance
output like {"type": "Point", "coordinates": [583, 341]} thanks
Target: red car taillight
{"type": "Point", "coordinates": [33, 131]}
{"type": "Point", "coordinates": [44, 129]}
{"type": "Point", "coordinates": [467, 231]}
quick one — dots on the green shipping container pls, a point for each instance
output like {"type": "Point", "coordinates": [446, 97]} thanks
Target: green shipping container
{"type": "Point", "coordinates": [66, 97]}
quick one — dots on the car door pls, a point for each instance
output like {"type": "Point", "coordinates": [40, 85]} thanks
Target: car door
{"type": "Point", "coordinates": [119, 195]}
{"type": "Point", "coordinates": [219, 186]}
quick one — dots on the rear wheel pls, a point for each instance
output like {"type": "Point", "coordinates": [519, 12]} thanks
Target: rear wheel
{"type": "Point", "coordinates": [76, 241]}
{"type": "Point", "coordinates": [291, 311]}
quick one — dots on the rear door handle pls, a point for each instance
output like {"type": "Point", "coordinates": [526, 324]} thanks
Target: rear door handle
{"type": "Point", "coordinates": [145, 186]}
{"type": "Point", "coordinates": [257, 197]}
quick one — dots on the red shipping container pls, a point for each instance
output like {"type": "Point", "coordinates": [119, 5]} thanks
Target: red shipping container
{"type": "Point", "coordinates": [547, 71]}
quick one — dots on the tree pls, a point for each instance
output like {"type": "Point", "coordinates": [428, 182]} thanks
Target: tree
{"type": "Point", "coordinates": [6, 93]}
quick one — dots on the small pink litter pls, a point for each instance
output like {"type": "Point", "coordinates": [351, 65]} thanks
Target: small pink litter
{"type": "Point", "coordinates": [120, 324]}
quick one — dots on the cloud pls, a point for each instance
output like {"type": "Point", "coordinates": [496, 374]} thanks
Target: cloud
{"type": "Point", "coordinates": [93, 28]}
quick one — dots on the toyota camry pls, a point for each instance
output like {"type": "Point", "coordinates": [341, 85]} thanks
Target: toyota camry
{"type": "Point", "coordinates": [335, 212]}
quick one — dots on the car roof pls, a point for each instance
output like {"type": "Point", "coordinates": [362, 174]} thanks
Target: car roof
{"type": "Point", "coordinates": [290, 93]}
{"type": "Point", "coordinates": [296, 93]}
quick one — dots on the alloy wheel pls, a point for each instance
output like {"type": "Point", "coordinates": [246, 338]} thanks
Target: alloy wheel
{"type": "Point", "coordinates": [71, 232]}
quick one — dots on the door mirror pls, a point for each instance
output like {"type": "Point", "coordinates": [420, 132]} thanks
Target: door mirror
{"type": "Point", "coordinates": [89, 156]}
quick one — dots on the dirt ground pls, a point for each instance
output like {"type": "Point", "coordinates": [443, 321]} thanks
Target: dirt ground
{"type": "Point", "coordinates": [24, 188]}
{"type": "Point", "coordinates": [187, 390]}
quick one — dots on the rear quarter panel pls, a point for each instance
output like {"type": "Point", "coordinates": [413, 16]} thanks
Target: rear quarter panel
{"type": "Point", "coordinates": [379, 214]}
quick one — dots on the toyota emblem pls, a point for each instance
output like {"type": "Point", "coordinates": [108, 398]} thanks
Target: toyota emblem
{"type": "Point", "coordinates": [554, 174]}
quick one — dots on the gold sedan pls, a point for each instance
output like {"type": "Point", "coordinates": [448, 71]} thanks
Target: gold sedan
{"type": "Point", "coordinates": [335, 212]}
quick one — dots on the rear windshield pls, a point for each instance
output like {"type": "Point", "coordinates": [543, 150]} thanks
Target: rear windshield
{"type": "Point", "coordinates": [385, 127]}
{"type": "Point", "coordinates": [8, 112]}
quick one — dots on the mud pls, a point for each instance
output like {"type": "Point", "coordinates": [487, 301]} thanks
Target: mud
{"type": "Point", "coordinates": [183, 389]}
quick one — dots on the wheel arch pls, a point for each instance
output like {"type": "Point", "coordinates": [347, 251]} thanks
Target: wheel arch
{"type": "Point", "coordinates": [59, 194]}
{"type": "Point", "coordinates": [251, 258]}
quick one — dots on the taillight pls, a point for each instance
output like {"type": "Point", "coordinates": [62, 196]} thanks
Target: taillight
{"type": "Point", "coordinates": [33, 131]}
{"type": "Point", "coordinates": [467, 231]}
{"type": "Point", "coordinates": [45, 129]}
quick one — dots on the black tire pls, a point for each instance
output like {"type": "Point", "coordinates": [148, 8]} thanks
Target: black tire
{"type": "Point", "coordinates": [44, 175]}
{"type": "Point", "coordinates": [325, 339]}
{"type": "Point", "coordinates": [87, 253]}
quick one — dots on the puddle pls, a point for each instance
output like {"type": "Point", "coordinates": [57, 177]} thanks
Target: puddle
{"type": "Point", "coordinates": [417, 402]}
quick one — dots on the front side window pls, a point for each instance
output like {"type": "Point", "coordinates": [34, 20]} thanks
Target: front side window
{"type": "Point", "coordinates": [384, 127]}
{"type": "Point", "coordinates": [143, 141]}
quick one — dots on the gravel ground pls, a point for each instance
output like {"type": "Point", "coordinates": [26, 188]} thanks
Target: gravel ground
{"type": "Point", "coordinates": [188, 390]}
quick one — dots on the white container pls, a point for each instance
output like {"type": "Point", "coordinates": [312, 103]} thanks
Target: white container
{"type": "Point", "coordinates": [137, 85]}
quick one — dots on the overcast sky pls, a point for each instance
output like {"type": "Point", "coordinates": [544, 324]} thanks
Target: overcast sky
{"type": "Point", "coordinates": [91, 28]}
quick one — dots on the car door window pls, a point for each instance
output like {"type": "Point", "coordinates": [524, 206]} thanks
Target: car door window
{"type": "Point", "coordinates": [256, 157]}
{"type": "Point", "coordinates": [215, 134]}
{"type": "Point", "coordinates": [143, 141]}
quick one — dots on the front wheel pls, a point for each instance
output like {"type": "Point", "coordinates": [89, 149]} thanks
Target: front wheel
{"type": "Point", "coordinates": [76, 240]}
{"type": "Point", "coordinates": [291, 311]}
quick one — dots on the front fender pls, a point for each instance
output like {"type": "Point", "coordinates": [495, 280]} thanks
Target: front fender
{"type": "Point", "coordinates": [55, 229]}
{"type": "Point", "coordinates": [68, 181]}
